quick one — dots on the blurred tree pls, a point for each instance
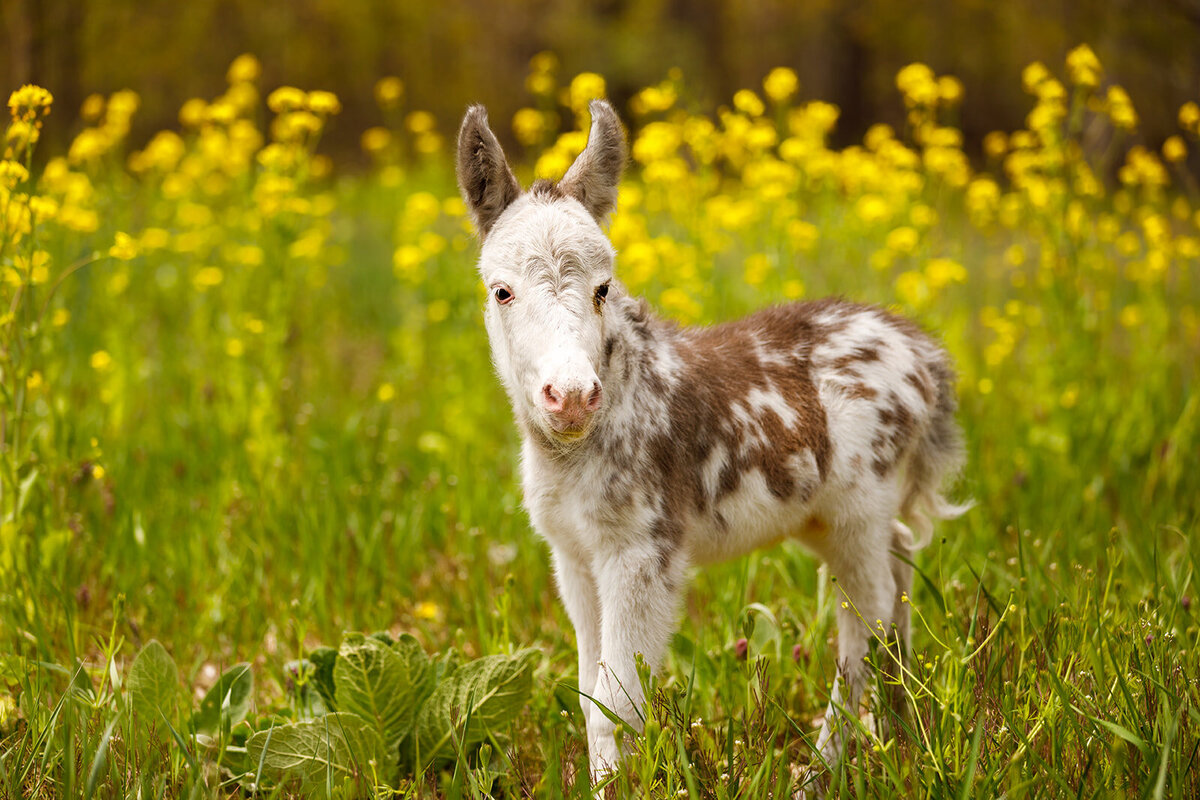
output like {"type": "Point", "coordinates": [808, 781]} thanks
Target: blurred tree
{"type": "Point", "coordinates": [452, 52]}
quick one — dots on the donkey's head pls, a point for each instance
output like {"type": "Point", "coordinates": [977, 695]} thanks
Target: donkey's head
{"type": "Point", "coordinates": [547, 266]}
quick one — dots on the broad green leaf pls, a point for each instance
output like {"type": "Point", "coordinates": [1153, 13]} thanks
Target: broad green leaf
{"type": "Point", "coordinates": [417, 665]}
{"type": "Point", "coordinates": [324, 659]}
{"type": "Point", "coordinates": [372, 680]}
{"type": "Point", "coordinates": [226, 703]}
{"type": "Point", "coordinates": [153, 685]}
{"type": "Point", "coordinates": [324, 751]}
{"type": "Point", "coordinates": [480, 696]}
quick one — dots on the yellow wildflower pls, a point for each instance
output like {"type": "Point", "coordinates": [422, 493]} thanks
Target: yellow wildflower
{"type": "Point", "coordinates": [748, 103]}
{"type": "Point", "coordinates": [389, 92]}
{"type": "Point", "coordinates": [585, 87]}
{"type": "Point", "coordinates": [324, 103]}
{"type": "Point", "coordinates": [385, 392]}
{"type": "Point", "coordinates": [286, 98]}
{"type": "Point", "coordinates": [207, 278]}
{"type": "Point", "coordinates": [1083, 67]}
{"type": "Point", "coordinates": [1120, 108]}
{"type": "Point", "coordinates": [1174, 150]}
{"type": "Point", "coordinates": [950, 90]}
{"type": "Point", "coordinates": [244, 69]}
{"type": "Point", "coordinates": [124, 248]}
{"type": "Point", "coordinates": [93, 107]}
{"type": "Point", "coordinates": [101, 360]}
{"type": "Point", "coordinates": [427, 610]}
{"type": "Point", "coordinates": [1189, 117]}
{"type": "Point", "coordinates": [28, 102]}
{"type": "Point", "coordinates": [529, 125]}
{"type": "Point", "coordinates": [780, 84]}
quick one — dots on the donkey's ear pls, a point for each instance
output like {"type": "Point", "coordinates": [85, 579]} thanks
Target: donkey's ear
{"type": "Point", "coordinates": [593, 178]}
{"type": "Point", "coordinates": [484, 177]}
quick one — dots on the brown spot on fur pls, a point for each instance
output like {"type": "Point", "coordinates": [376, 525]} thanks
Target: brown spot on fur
{"type": "Point", "coordinates": [721, 366]}
{"type": "Point", "coordinates": [921, 384]}
{"type": "Point", "coordinates": [898, 426]}
{"type": "Point", "coordinates": [862, 354]}
{"type": "Point", "coordinates": [860, 391]}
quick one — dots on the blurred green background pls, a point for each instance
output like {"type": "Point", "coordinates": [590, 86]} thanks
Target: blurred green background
{"type": "Point", "coordinates": [453, 52]}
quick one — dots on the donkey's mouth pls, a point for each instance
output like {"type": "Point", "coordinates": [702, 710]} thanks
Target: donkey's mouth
{"type": "Point", "coordinates": [571, 431]}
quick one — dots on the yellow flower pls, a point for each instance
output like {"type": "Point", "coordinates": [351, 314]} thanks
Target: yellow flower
{"type": "Point", "coordinates": [207, 278]}
{"type": "Point", "coordinates": [12, 174]}
{"type": "Point", "coordinates": [376, 140]}
{"type": "Point", "coordinates": [748, 103]}
{"type": "Point", "coordinates": [324, 103]}
{"type": "Point", "coordinates": [427, 610]}
{"type": "Point", "coordinates": [943, 271]}
{"type": "Point", "coordinates": [918, 85]}
{"type": "Point", "coordinates": [29, 101]}
{"type": "Point", "coordinates": [585, 87]}
{"type": "Point", "coordinates": [193, 113]}
{"type": "Point", "coordinates": [1033, 75]}
{"type": "Point", "coordinates": [385, 392]}
{"type": "Point", "coordinates": [780, 84]}
{"type": "Point", "coordinates": [60, 317]}
{"type": "Point", "coordinates": [124, 248]}
{"type": "Point", "coordinates": [389, 91]}
{"type": "Point", "coordinates": [756, 269]}
{"type": "Point", "coordinates": [21, 134]}
{"type": "Point", "coordinates": [244, 69]}
{"type": "Point", "coordinates": [98, 472]}
{"type": "Point", "coordinates": [234, 347]}
{"type": "Point", "coordinates": [1174, 150]}
{"type": "Point", "coordinates": [101, 360]}
{"type": "Point", "coordinates": [420, 122]}
{"type": "Point", "coordinates": [1131, 316]}
{"type": "Point", "coordinates": [529, 125]}
{"type": "Point", "coordinates": [1189, 117]}
{"type": "Point", "coordinates": [950, 89]}
{"type": "Point", "coordinates": [1120, 108]}
{"type": "Point", "coordinates": [93, 107]}
{"type": "Point", "coordinates": [286, 98]}
{"type": "Point", "coordinates": [33, 381]}
{"type": "Point", "coordinates": [903, 240]}
{"type": "Point", "coordinates": [1083, 67]}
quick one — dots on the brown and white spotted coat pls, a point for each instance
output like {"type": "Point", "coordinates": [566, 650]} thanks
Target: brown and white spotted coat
{"type": "Point", "coordinates": [649, 448]}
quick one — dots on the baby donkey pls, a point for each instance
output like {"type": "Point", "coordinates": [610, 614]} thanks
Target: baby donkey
{"type": "Point", "coordinates": [648, 447]}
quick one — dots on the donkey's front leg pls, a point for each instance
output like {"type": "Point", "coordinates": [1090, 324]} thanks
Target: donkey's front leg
{"type": "Point", "coordinates": [577, 588]}
{"type": "Point", "coordinates": [640, 587]}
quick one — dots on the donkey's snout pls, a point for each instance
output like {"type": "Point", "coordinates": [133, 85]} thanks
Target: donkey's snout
{"type": "Point", "coordinates": [570, 408]}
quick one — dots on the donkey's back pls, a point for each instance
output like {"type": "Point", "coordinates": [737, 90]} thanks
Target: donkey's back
{"type": "Point", "coordinates": [794, 422]}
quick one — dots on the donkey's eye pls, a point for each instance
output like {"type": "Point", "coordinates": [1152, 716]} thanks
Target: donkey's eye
{"type": "Point", "coordinates": [601, 293]}
{"type": "Point", "coordinates": [502, 294]}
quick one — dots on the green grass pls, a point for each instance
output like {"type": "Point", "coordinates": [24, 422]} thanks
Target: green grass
{"type": "Point", "coordinates": [255, 506]}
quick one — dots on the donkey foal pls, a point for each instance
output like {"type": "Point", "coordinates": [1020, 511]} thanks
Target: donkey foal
{"type": "Point", "coordinates": [648, 448]}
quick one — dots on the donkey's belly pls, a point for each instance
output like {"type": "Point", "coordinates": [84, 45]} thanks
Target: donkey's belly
{"type": "Point", "coordinates": [753, 517]}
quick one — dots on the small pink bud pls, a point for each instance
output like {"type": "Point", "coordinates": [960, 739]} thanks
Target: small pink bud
{"type": "Point", "coordinates": [797, 652]}
{"type": "Point", "coordinates": [740, 647]}
{"type": "Point", "coordinates": [1186, 602]}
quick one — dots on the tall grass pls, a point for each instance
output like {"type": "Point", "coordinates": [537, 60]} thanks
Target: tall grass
{"type": "Point", "coordinates": [248, 404]}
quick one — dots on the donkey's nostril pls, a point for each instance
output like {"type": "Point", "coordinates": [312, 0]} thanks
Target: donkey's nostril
{"type": "Point", "coordinates": [552, 399]}
{"type": "Point", "coordinates": [594, 399]}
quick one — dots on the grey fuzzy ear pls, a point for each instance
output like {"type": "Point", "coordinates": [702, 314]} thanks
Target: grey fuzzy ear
{"type": "Point", "coordinates": [487, 183]}
{"type": "Point", "coordinates": [593, 178]}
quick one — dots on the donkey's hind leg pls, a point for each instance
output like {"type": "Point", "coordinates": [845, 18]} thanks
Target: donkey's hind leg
{"type": "Point", "coordinates": [900, 641]}
{"type": "Point", "coordinates": [866, 599]}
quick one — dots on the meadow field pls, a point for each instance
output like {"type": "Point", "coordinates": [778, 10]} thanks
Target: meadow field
{"type": "Point", "coordinates": [246, 407]}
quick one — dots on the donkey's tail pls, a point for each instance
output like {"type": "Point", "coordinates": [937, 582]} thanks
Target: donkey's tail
{"type": "Point", "coordinates": [937, 459]}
